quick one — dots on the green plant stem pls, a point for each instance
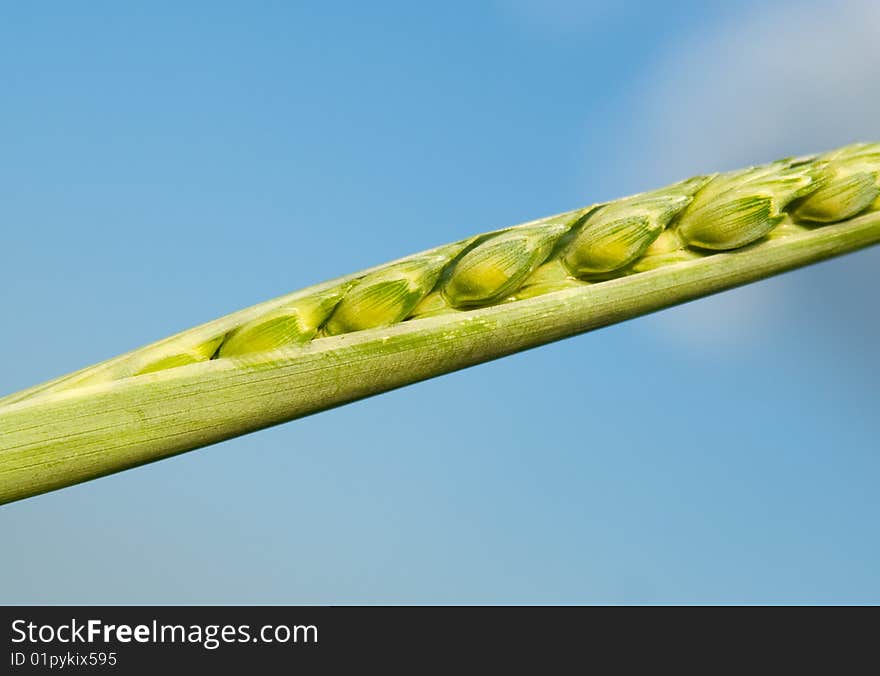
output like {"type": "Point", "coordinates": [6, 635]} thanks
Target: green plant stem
{"type": "Point", "coordinates": [62, 438]}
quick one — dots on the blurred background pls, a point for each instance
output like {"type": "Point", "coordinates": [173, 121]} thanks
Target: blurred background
{"type": "Point", "coordinates": [164, 164]}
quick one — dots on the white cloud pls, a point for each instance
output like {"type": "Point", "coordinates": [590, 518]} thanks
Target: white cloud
{"type": "Point", "coordinates": [735, 318]}
{"type": "Point", "coordinates": [779, 80]}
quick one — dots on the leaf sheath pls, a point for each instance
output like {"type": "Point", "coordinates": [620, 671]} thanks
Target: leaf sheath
{"type": "Point", "coordinates": [65, 437]}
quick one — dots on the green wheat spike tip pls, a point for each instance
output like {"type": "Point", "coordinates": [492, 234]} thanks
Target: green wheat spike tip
{"type": "Point", "coordinates": [850, 182]}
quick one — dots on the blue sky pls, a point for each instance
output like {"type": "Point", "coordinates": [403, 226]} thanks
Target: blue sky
{"type": "Point", "coordinates": [166, 164]}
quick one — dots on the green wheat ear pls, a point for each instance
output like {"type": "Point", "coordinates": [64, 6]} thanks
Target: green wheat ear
{"type": "Point", "coordinates": [438, 311]}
